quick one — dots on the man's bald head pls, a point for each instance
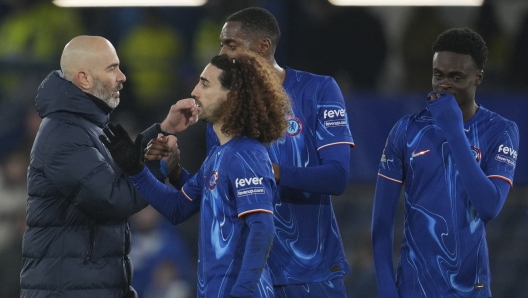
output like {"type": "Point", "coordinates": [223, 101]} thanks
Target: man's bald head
{"type": "Point", "coordinates": [84, 53]}
{"type": "Point", "coordinates": [91, 63]}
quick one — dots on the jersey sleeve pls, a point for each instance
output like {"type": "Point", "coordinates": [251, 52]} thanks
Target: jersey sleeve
{"type": "Point", "coordinates": [332, 119]}
{"type": "Point", "coordinates": [503, 159]}
{"type": "Point", "coordinates": [193, 188]}
{"type": "Point", "coordinates": [252, 181]}
{"type": "Point", "coordinates": [392, 159]}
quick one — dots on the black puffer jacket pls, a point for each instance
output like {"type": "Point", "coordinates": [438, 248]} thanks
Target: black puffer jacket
{"type": "Point", "coordinates": [78, 235]}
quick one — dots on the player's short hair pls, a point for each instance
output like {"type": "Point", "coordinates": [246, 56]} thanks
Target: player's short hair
{"type": "Point", "coordinates": [256, 104]}
{"type": "Point", "coordinates": [463, 41]}
{"type": "Point", "coordinates": [258, 22]}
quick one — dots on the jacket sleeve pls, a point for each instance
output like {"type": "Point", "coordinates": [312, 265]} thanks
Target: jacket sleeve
{"type": "Point", "coordinates": [84, 175]}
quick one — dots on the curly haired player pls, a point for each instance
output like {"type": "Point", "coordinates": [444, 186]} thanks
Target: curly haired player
{"type": "Point", "coordinates": [247, 107]}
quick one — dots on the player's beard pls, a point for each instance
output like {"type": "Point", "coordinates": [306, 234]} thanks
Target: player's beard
{"type": "Point", "coordinates": [105, 93]}
{"type": "Point", "coordinates": [213, 112]}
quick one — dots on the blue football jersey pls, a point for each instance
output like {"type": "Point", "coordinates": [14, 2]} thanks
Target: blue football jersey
{"type": "Point", "coordinates": [307, 246]}
{"type": "Point", "coordinates": [444, 251]}
{"type": "Point", "coordinates": [236, 179]}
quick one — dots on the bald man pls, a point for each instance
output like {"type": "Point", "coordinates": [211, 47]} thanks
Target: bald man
{"type": "Point", "coordinates": [78, 235]}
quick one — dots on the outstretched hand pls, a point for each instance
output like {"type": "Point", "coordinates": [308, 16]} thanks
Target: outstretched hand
{"type": "Point", "coordinates": [126, 153]}
{"type": "Point", "coordinates": [166, 149]}
{"type": "Point", "coordinates": [182, 114]}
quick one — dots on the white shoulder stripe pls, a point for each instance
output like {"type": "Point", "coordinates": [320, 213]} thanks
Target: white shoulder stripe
{"type": "Point", "coordinates": [388, 178]}
{"type": "Point", "coordinates": [253, 211]}
{"type": "Point", "coordinates": [337, 143]}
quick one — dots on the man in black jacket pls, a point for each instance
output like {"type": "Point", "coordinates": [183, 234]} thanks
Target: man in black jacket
{"type": "Point", "coordinates": [78, 235]}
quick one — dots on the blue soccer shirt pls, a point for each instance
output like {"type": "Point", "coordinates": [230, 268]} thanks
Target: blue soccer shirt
{"type": "Point", "coordinates": [444, 250]}
{"type": "Point", "coordinates": [307, 246]}
{"type": "Point", "coordinates": [235, 180]}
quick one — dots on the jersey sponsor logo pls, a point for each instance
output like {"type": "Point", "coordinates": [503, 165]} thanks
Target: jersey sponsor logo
{"type": "Point", "coordinates": [476, 152]}
{"type": "Point", "coordinates": [333, 113]}
{"type": "Point", "coordinates": [241, 182]}
{"type": "Point", "coordinates": [335, 123]}
{"type": "Point", "coordinates": [294, 126]}
{"type": "Point", "coordinates": [244, 182]}
{"type": "Point", "coordinates": [505, 160]}
{"type": "Point", "coordinates": [213, 180]}
{"type": "Point", "coordinates": [251, 191]}
{"type": "Point", "coordinates": [508, 151]}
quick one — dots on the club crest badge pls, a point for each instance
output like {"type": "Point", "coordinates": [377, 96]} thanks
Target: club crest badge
{"type": "Point", "coordinates": [294, 126]}
{"type": "Point", "coordinates": [213, 180]}
{"type": "Point", "coordinates": [476, 153]}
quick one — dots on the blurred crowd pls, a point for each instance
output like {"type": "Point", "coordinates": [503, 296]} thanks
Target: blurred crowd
{"type": "Point", "coordinates": [162, 51]}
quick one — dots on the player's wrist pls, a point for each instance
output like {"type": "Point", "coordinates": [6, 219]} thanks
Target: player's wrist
{"type": "Point", "coordinates": [175, 174]}
{"type": "Point", "coordinates": [164, 128]}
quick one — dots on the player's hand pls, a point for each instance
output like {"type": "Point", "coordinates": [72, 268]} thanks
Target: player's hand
{"type": "Point", "coordinates": [125, 152]}
{"type": "Point", "coordinates": [446, 112]}
{"type": "Point", "coordinates": [173, 159]}
{"type": "Point", "coordinates": [157, 148]}
{"type": "Point", "coordinates": [182, 114]}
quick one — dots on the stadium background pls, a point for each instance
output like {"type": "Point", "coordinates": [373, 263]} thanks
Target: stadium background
{"type": "Point", "coordinates": [380, 56]}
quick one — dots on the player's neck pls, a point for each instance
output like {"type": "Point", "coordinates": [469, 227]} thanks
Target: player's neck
{"type": "Point", "coordinates": [468, 111]}
{"type": "Point", "coordinates": [281, 72]}
{"type": "Point", "coordinates": [222, 138]}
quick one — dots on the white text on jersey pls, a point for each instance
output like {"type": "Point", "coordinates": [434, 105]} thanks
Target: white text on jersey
{"type": "Point", "coordinates": [508, 151]}
{"type": "Point", "coordinates": [247, 182]}
{"type": "Point", "coordinates": [334, 113]}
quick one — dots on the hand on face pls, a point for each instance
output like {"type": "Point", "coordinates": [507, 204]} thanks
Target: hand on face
{"type": "Point", "coordinates": [445, 110]}
{"type": "Point", "coordinates": [434, 96]}
{"type": "Point", "coordinates": [182, 114]}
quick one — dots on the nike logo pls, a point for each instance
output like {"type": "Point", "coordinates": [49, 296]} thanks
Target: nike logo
{"type": "Point", "coordinates": [467, 130]}
{"type": "Point", "coordinates": [414, 154]}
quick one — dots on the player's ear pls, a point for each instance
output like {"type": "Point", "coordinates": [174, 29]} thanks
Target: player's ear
{"type": "Point", "coordinates": [264, 46]}
{"type": "Point", "coordinates": [480, 76]}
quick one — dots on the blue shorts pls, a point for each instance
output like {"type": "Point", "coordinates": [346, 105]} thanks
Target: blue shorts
{"type": "Point", "coordinates": [334, 288]}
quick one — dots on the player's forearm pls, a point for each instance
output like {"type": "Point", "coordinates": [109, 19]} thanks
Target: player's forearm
{"type": "Point", "coordinates": [330, 177]}
{"type": "Point", "coordinates": [384, 211]}
{"type": "Point", "coordinates": [258, 244]}
{"type": "Point", "coordinates": [182, 178]}
{"type": "Point", "coordinates": [149, 134]}
{"type": "Point", "coordinates": [325, 179]}
{"type": "Point", "coordinates": [485, 196]}
{"type": "Point", "coordinates": [167, 201]}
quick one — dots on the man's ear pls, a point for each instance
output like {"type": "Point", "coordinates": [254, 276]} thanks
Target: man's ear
{"type": "Point", "coordinates": [264, 47]}
{"type": "Point", "coordinates": [480, 77]}
{"type": "Point", "coordinates": [83, 80]}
